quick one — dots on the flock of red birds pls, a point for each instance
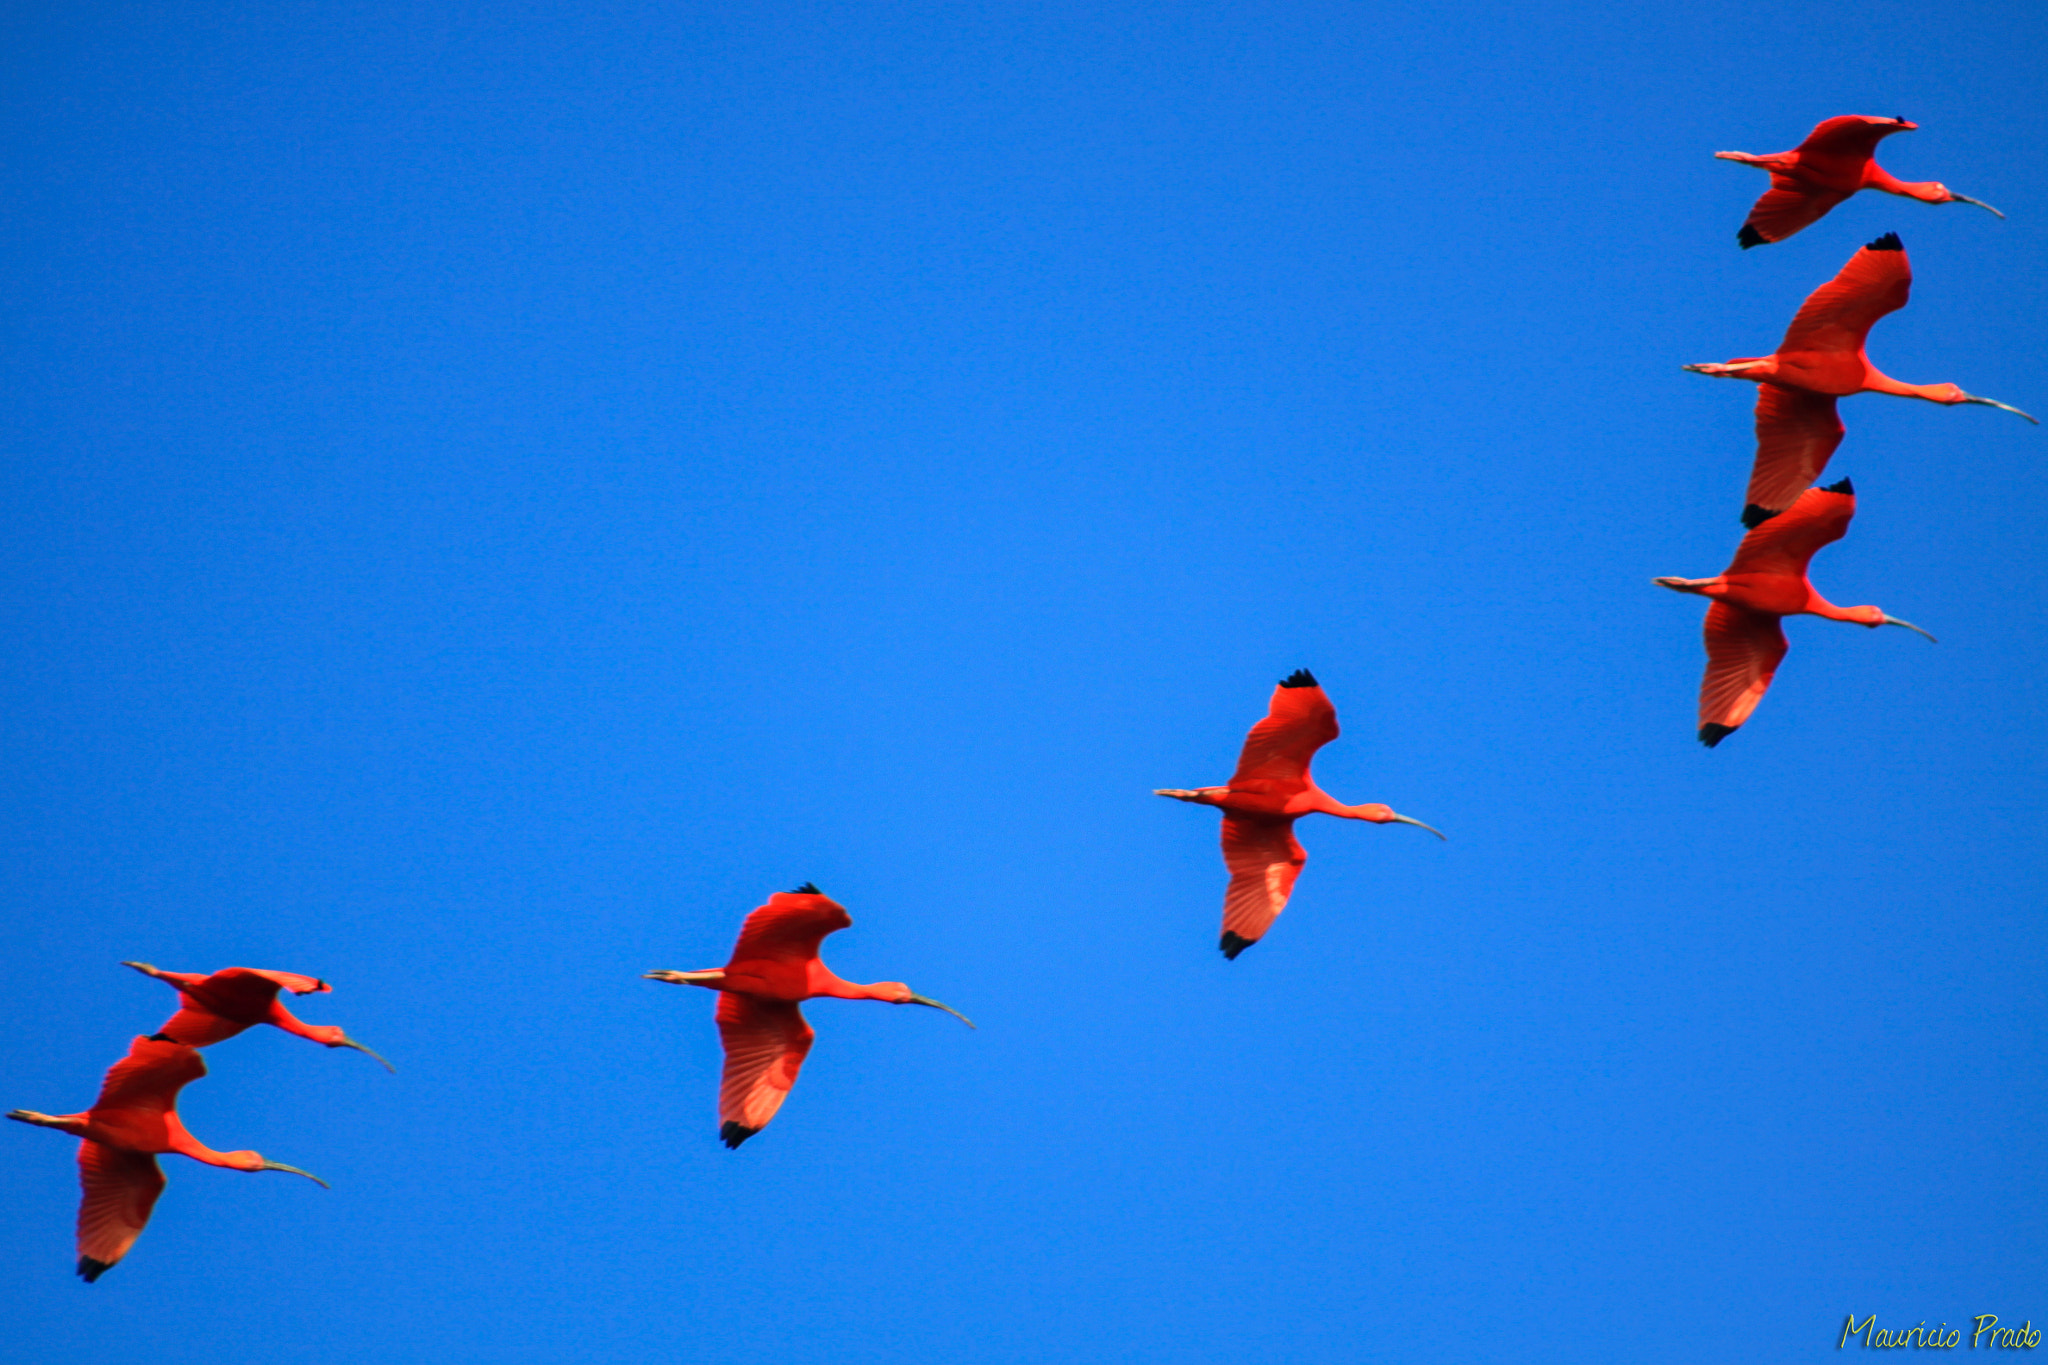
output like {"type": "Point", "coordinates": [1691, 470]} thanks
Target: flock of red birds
{"type": "Point", "coordinates": [1820, 360]}
{"type": "Point", "coordinates": [775, 966]}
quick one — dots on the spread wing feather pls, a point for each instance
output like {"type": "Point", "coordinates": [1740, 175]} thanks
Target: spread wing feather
{"type": "Point", "coordinates": [1797, 432]}
{"type": "Point", "coordinates": [1744, 649]}
{"type": "Point", "coordinates": [766, 1042]}
{"type": "Point", "coordinates": [1264, 859]}
{"type": "Point", "coordinates": [1838, 316]}
{"type": "Point", "coordinates": [1299, 721]}
{"type": "Point", "coordinates": [121, 1188]}
{"type": "Point", "coordinates": [1786, 543]}
{"type": "Point", "coordinates": [789, 927]}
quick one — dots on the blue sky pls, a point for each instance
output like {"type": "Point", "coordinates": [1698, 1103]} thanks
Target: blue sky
{"type": "Point", "coordinates": [494, 492]}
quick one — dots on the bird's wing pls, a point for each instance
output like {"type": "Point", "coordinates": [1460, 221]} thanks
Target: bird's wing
{"type": "Point", "coordinates": [120, 1190]}
{"type": "Point", "coordinates": [765, 1045]}
{"type": "Point", "coordinates": [1786, 543]}
{"type": "Point", "coordinates": [1264, 858]}
{"type": "Point", "coordinates": [150, 1076]}
{"type": "Point", "coordinates": [1787, 206]}
{"type": "Point", "coordinates": [1299, 721]}
{"type": "Point", "coordinates": [1848, 135]}
{"type": "Point", "coordinates": [197, 1026]}
{"type": "Point", "coordinates": [291, 981]}
{"type": "Point", "coordinates": [1797, 432]}
{"type": "Point", "coordinates": [1838, 315]}
{"type": "Point", "coordinates": [790, 927]}
{"type": "Point", "coordinates": [1743, 652]}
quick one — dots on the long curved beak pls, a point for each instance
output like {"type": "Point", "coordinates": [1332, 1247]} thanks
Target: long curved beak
{"type": "Point", "coordinates": [927, 1000]}
{"type": "Point", "coordinates": [349, 1042]}
{"type": "Point", "coordinates": [1994, 403]}
{"type": "Point", "coordinates": [1431, 828]}
{"type": "Point", "coordinates": [280, 1166]}
{"type": "Point", "coordinates": [1895, 621]}
{"type": "Point", "coordinates": [1966, 199]}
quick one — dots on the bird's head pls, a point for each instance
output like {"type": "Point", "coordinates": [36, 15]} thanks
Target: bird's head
{"type": "Point", "coordinates": [1384, 815]}
{"type": "Point", "coordinates": [896, 993]}
{"type": "Point", "coordinates": [1951, 394]}
{"type": "Point", "coordinates": [253, 1161]}
{"type": "Point", "coordinates": [332, 1036]}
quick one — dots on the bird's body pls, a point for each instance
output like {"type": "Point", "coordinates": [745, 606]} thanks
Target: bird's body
{"type": "Point", "coordinates": [217, 1007]}
{"type": "Point", "coordinates": [774, 967]}
{"type": "Point", "coordinates": [1837, 159]}
{"type": "Point", "coordinates": [135, 1120]}
{"type": "Point", "coordinates": [1766, 582]}
{"type": "Point", "coordinates": [1822, 359]}
{"type": "Point", "coordinates": [1270, 790]}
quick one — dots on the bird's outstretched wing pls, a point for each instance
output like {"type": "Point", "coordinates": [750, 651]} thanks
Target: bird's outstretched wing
{"type": "Point", "coordinates": [1264, 858]}
{"type": "Point", "coordinates": [150, 1076]}
{"type": "Point", "coordinates": [1838, 316]}
{"type": "Point", "coordinates": [1797, 432]}
{"type": "Point", "coordinates": [1743, 652]}
{"type": "Point", "coordinates": [1851, 136]}
{"type": "Point", "coordinates": [230, 1000]}
{"type": "Point", "coordinates": [1786, 543]}
{"type": "Point", "coordinates": [1787, 206]}
{"type": "Point", "coordinates": [120, 1190]}
{"type": "Point", "coordinates": [1299, 721]}
{"type": "Point", "coordinates": [766, 1042]}
{"type": "Point", "coordinates": [790, 927]}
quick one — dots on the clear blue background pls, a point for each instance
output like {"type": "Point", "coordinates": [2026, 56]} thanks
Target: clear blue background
{"type": "Point", "coordinates": [492, 492]}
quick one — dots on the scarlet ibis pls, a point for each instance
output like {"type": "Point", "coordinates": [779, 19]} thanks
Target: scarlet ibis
{"type": "Point", "coordinates": [1765, 583]}
{"type": "Point", "coordinates": [133, 1121]}
{"type": "Point", "coordinates": [1270, 790]}
{"type": "Point", "coordinates": [212, 1008]}
{"type": "Point", "coordinates": [1835, 161]}
{"type": "Point", "coordinates": [1821, 359]}
{"type": "Point", "coordinates": [774, 966]}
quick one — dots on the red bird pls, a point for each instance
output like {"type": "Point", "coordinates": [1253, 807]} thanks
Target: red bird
{"type": "Point", "coordinates": [1766, 583]}
{"type": "Point", "coordinates": [1834, 162]}
{"type": "Point", "coordinates": [774, 966]}
{"type": "Point", "coordinates": [1269, 791]}
{"type": "Point", "coordinates": [212, 1008]}
{"type": "Point", "coordinates": [1821, 359]}
{"type": "Point", "coordinates": [133, 1121]}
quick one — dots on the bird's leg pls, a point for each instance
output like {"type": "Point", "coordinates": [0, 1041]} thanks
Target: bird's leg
{"type": "Point", "coordinates": [1734, 369]}
{"type": "Point", "coordinates": [1205, 796]}
{"type": "Point", "coordinates": [1704, 586]}
{"type": "Point", "coordinates": [708, 979]}
{"type": "Point", "coordinates": [70, 1123]}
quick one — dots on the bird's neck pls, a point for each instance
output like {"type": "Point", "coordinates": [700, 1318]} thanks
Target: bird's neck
{"type": "Point", "coordinates": [1875, 381]}
{"type": "Point", "coordinates": [824, 982]}
{"type": "Point", "coordinates": [1816, 605]}
{"type": "Point", "coordinates": [1876, 177]}
{"type": "Point", "coordinates": [279, 1016]}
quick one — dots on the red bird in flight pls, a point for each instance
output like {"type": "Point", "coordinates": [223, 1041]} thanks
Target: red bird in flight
{"type": "Point", "coordinates": [1766, 583]}
{"type": "Point", "coordinates": [1269, 791]}
{"type": "Point", "coordinates": [774, 967]}
{"type": "Point", "coordinates": [1822, 359]}
{"type": "Point", "coordinates": [134, 1120]}
{"type": "Point", "coordinates": [1835, 161]}
{"type": "Point", "coordinates": [213, 1008]}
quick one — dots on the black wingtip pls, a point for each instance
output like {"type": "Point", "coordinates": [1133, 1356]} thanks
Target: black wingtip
{"type": "Point", "coordinates": [1711, 734]}
{"type": "Point", "coordinates": [733, 1134]}
{"type": "Point", "coordinates": [90, 1270]}
{"type": "Point", "coordinates": [1233, 945]}
{"type": "Point", "coordinates": [1843, 487]}
{"type": "Point", "coordinates": [1754, 516]}
{"type": "Point", "coordinates": [1889, 242]}
{"type": "Point", "coordinates": [161, 1038]}
{"type": "Point", "coordinates": [1300, 677]}
{"type": "Point", "coordinates": [1750, 237]}
{"type": "Point", "coordinates": [807, 889]}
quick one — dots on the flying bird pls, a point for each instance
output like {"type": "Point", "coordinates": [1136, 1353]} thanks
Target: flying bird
{"type": "Point", "coordinates": [1765, 583]}
{"type": "Point", "coordinates": [1835, 161]}
{"type": "Point", "coordinates": [216, 1007]}
{"type": "Point", "coordinates": [1822, 359]}
{"type": "Point", "coordinates": [775, 966]}
{"type": "Point", "coordinates": [134, 1120]}
{"type": "Point", "coordinates": [1270, 790]}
